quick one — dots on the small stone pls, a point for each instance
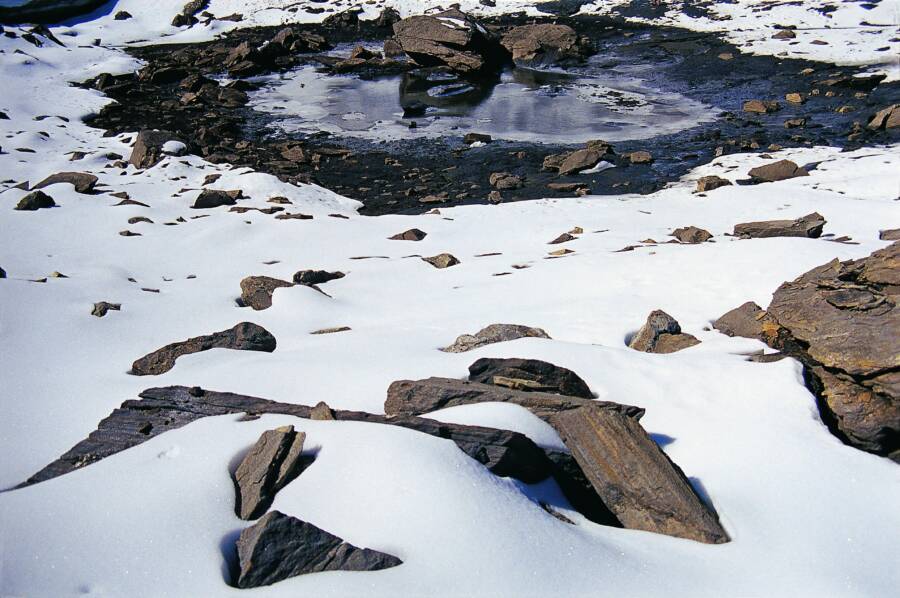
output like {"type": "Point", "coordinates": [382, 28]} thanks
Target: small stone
{"type": "Point", "coordinates": [560, 252]}
{"type": "Point", "coordinates": [504, 181]}
{"type": "Point", "coordinates": [442, 260]}
{"type": "Point", "coordinates": [784, 34]}
{"type": "Point", "coordinates": [272, 462]}
{"type": "Point", "coordinates": [139, 219]}
{"type": "Point", "coordinates": [495, 333]}
{"type": "Point", "coordinates": [563, 238]}
{"type": "Point", "coordinates": [761, 106]}
{"type": "Point", "coordinates": [794, 123]}
{"type": "Point", "coordinates": [708, 183]}
{"type": "Point", "coordinates": [691, 235]}
{"type": "Point", "coordinates": [640, 157]}
{"type": "Point", "coordinates": [102, 308]}
{"type": "Point", "coordinates": [128, 233]}
{"type": "Point", "coordinates": [213, 198]}
{"type": "Point", "coordinates": [471, 138]}
{"type": "Point", "coordinates": [316, 277]}
{"type": "Point", "coordinates": [332, 330]}
{"type": "Point", "coordinates": [36, 200]}
{"type": "Point", "coordinates": [794, 98]}
{"type": "Point", "coordinates": [412, 234]}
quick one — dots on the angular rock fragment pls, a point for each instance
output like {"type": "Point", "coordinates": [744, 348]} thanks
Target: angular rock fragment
{"type": "Point", "coordinates": [577, 161]}
{"type": "Point", "coordinates": [529, 375]}
{"type": "Point", "coordinates": [633, 477]}
{"type": "Point", "coordinates": [563, 238]}
{"type": "Point", "coordinates": [640, 157]}
{"type": "Point", "coordinates": [661, 333]}
{"type": "Point", "coordinates": [268, 467]}
{"type": "Point", "coordinates": [315, 277]}
{"type": "Point", "coordinates": [544, 44]}
{"type": "Point", "coordinates": [691, 235]}
{"type": "Point", "coordinates": [450, 38]}
{"type": "Point", "coordinates": [708, 183]}
{"type": "Point", "coordinates": [892, 234]}
{"type": "Point", "coordinates": [761, 106]}
{"type": "Point", "coordinates": [494, 333]}
{"type": "Point", "coordinates": [505, 181]}
{"type": "Point", "coordinates": [102, 308]}
{"type": "Point", "coordinates": [412, 234]}
{"type": "Point", "coordinates": [777, 171]}
{"type": "Point", "coordinates": [809, 226]}
{"type": "Point", "coordinates": [148, 148]}
{"type": "Point", "coordinates": [256, 291]}
{"type": "Point", "coordinates": [441, 261]}
{"type": "Point", "coordinates": [245, 336]}
{"type": "Point", "coordinates": [278, 547]}
{"type": "Point", "coordinates": [36, 200]}
{"type": "Point", "coordinates": [748, 321]}
{"type": "Point", "coordinates": [83, 182]}
{"type": "Point", "coordinates": [888, 118]}
{"type": "Point", "coordinates": [321, 412]}
{"type": "Point", "coordinates": [214, 198]}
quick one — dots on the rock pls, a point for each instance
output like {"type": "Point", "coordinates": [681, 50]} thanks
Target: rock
{"type": "Point", "coordinates": [661, 333]}
{"type": "Point", "coordinates": [776, 171]}
{"type": "Point", "coordinates": [529, 375]}
{"type": "Point", "coordinates": [148, 148]}
{"type": "Point", "coordinates": [186, 17]}
{"type": "Point", "coordinates": [245, 336]}
{"type": "Point", "coordinates": [784, 34]}
{"type": "Point", "coordinates": [450, 38]}
{"type": "Point", "coordinates": [761, 106]}
{"type": "Point", "coordinates": [708, 183]}
{"type": "Point", "coordinates": [387, 17]}
{"type": "Point", "coordinates": [691, 235]}
{"type": "Point", "coordinates": [841, 321]}
{"type": "Point", "coordinates": [412, 234]}
{"type": "Point", "coordinates": [279, 547]}
{"type": "Point", "coordinates": [415, 397]}
{"type": "Point", "coordinates": [888, 118]}
{"type": "Point", "coordinates": [442, 260]}
{"type": "Point", "coordinates": [794, 98]}
{"type": "Point", "coordinates": [809, 226]}
{"type": "Point", "coordinates": [633, 477]}
{"type": "Point", "coordinates": [36, 200]}
{"type": "Point", "coordinates": [83, 182]}
{"type": "Point", "coordinates": [321, 412]}
{"type": "Point", "coordinates": [45, 11]}
{"type": "Point", "coordinates": [563, 238]}
{"type": "Point", "coordinates": [794, 123]}
{"type": "Point", "coordinates": [577, 161]}
{"type": "Point", "coordinates": [504, 181]}
{"type": "Point", "coordinates": [122, 15]}
{"type": "Point", "coordinates": [567, 187]}
{"type": "Point", "coordinates": [748, 321]}
{"type": "Point", "coordinates": [256, 291]}
{"type": "Point", "coordinates": [2, 273]}
{"type": "Point", "coordinates": [346, 20]}
{"type": "Point", "coordinates": [865, 83]}
{"type": "Point", "coordinates": [214, 198]}
{"type": "Point", "coordinates": [268, 467]}
{"type": "Point", "coordinates": [495, 333]}
{"type": "Point", "coordinates": [640, 157]}
{"type": "Point", "coordinates": [544, 44]}
{"type": "Point", "coordinates": [470, 138]}
{"type": "Point", "coordinates": [128, 233]}
{"type": "Point", "coordinates": [333, 330]}
{"type": "Point", "coordinates": [102, 308]}
{"type": "Point", "coordinates": [892, 234]}
{"type": "Point", "coordinates": [316, 277]}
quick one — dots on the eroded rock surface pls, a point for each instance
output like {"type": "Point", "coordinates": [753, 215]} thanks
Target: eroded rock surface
{"type": "Point", "coordinates": [272, 462]}
{"type": "Point", "coordinates": [545, 43]}
{"type": "Point", "coordinates": [529, 375]}
{"type": "Point", "coordinates": [661, 333]}
{"type": "Point", "coordinates": [809, 226]}
{"type": "Point", "coordinates": [494, 333]}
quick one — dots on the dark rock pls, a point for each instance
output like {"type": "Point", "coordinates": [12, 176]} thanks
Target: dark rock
{"type": "Point", "coordinates": [545, 43]}
{"type": "Point", "coordinates": [416, 397]}
{"type": "Point", "coordinates": [256, 291]}
{"type": "Point", "coordinates": [470, 138]}
{"type": "Point", "coordinates": [888, 118]}
{"type": "Point", "coordinates": [563, 238]}
{"type": "Point", "coordinates": [777, 171]}
{"type": "Point", "coordinates": [122, 15]}
{"type": "Point", "coordinates": [186, 17]}
{"type": "Point", "coordinates": [633, 477]}
{"type": "Point", "coordinates": [245, 336]}
{"type": "Point", "coordinates": [346, 20]}
{"type": "Point", "coordinates": [691, 235]}
{"type": "Point", "coordinates": [36, 200]}
{"type": "Point", "coordinates": [441, 261]}
{"type": "Point", "coordinates": [268, 467]}
{"type": "Point", "coordinates": [412, 234]}
{"type": "Point", "coordinates": [214, 198]}
{"type": "Point", "coordinates": [891, 234]}
{"type": "Point", "coordinates": [279, 547]}
{"type": "Point", "coordinates": [865, 83]}
{"type": "Point", "coordinates": [708, 183]}
{"type": "Point", "coordinates": [494, 333]}
{"type": "Point", "coordinates": [316, 277]}
{"type": "Point", "coordinates": [529, 375]}
{"type": "Point", "coordinates": [83, 182]}
{"type": "Point", "coordinates": [2, 273]}
{"type": "Point", "coordinates": [661, 333]}
{"type": "Point", "coordinates": [387, 17]}
{"type": "Point", "coordinates": [809, 226]}
{"type": "Point", "coordinates": [102, 308]}
{"type": "Point", "coordinates": [147, 151]}
{"type": "Point", "coordinates": [47, 11]}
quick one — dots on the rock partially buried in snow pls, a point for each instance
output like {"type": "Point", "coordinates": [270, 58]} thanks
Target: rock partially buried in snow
{"type": "Point", "coordinates": [661, 333]}
{"type": "Point", "coordinates": [529, 375]}
{"type": "Point", "coordinates": [708, 183]}
{"type": "Point", "coordinates": [256, 291]}
{"type": "Point", "coordinates": [83, 182]}
{"type": "Point", "coordinates": [691, 235]}
{"type": "Point", "coordinates": [321, 412]}
{"type": "Point", "coordinates": [544, 44]}
{"type": "Point", "coordinates": [441, 261]}
{"type": "Point", "coordinates": [311, 278]}
{"type": "Point", "coordinates": [412, 234]}
{"type": "Point", "coordinates": [2, 273]}
{"type": "Point", "coordinates": [279, 547]}
{"type": "Point", "coordinates": [214, 198]}
{"type": "Point", "coordinates": [272, 462]}
{"type": "Point", "coordinates": [245, 336]}
{"type": "Point", "coordinates": [148, 148]}
{"type": "Point", "coordinates": [36, 200]}
{"type": "Point", "coordinates": [102, 308]}
{"type": "Point", "coordinates": [640, 157]}
{"type": "Point", "coordinates": [809, 226]}
{"type": "Point", "coordinates": [494, 333]}
{"type": "Point", "coordinates": [777, 171]}
{"type": "Point", "coordinates": [748, 321]}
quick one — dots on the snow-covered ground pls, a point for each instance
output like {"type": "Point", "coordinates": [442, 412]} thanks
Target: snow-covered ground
{"type": "Point", "coordinates": [807, 515]}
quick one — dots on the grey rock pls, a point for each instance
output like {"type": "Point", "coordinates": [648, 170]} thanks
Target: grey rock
{"type": "Point", "coordinates": [776, 171]}
{"type": "Point", "coordinates": [256, 291]}
{"type": "Point", "coordinates": [441, 261]}
{"type": "Point", "coordinates": [214, 198]}
{"type": "Point", "coordinates": [748, 321]}
{"type": "Point", "coordinates": [83, 182]}
{"type": "Point", "coordinates": [888, 118]}
{"type": "Point", "coordinates": [147, 150]}
{"type": "Point", "coordinates": [315, 277]}
{"type": "Point", "coordinates": [661, 333]}
{"type": "Point", "coordinates": [412, 234]}
{"type": "Point", "coordinates": [708, 183]}
{"type": "Point", "coordinates": [809, 226]}
{"type": "Point", "coordinates": [529, 375]}
{"type": "Point", "coordinates": [544, 44]}
{"type": "Point", "coordinates": [102, 308]}
{"type": "Point", "coordinates": [36, 200]}
{"type": "Point", "coordinates": [272, 462]}
{"type": "Point", "coordinates": [504, 181]}
{"type": "Point", "coordinates": [577, 161]}
{"type": "Point", "coordinates": [494, 333]}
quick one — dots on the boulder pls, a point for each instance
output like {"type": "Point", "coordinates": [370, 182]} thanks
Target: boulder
{"type": "Point", "coordinates": [529, 375]}
{"type": "Point", "coordinates": [256, 291]}
{"type": "Point", "coordinates": [412, 234]}
{"type": "Point", "coordinates": [470, 138]}
{"type": "Point", "coordinates": [186, 17]}
{"type": "Point", "coordinates": [214, 198]}
{"type": "Point", "coordinates": [245, 336]}
{"type": "Point", "coordinates": [661, 333]}
{"type": "Point", "coordinates": [450, 38]}
{"type": "Point", "coordinates": [544, 44]}
{"type": "Point", "coordinates": [776, 171]}
{"type": "Point", "coordinates": [633, 477]}
{"type": "Point", "coordinates": [278, 547]}
{"type": "Point", "coordinates": [577, 161]}
{"type": "Point", "coordinates": [311, 278]}
{"type": "Point", "coordinates": [148, 148]}
{"type": "Point", "coordinates": [691, 235]}
{"type": "Point", "coordinates": [748, 321]}
{"type": "Point", "coordinates": [441, 261]}
{"type": "Point", "coordinates": [640, 157]}
{"type": "Point", "coordinates": [504, 181]}
{"type": "Point", "coordinates": [809, 226]}
{"type": "Point", "coordinates": [708, 183]}
{"type": "Point", "coordinates": [102, 308]}
{"type": "Point", "coordinates": [83, 182]}
{"type": "Point", "coordinates": [891, 234]}
{"type": "Point", "coordinates": [887, 118]}
{"type": "Point", "coordinates": [494, 333]}
{"type": "Point", "coordinates": [36, 200]}
{"type": "Point", "coordinates": [272, 462]}
{"type": "Point", "coordinates": [761, 106]}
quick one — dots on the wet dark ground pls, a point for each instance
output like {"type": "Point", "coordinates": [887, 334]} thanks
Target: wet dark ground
{"type": "Point", "coordinates": [394, 177]}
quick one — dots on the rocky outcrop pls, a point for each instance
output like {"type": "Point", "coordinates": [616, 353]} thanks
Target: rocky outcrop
{"type": "Point", "coordinates": [809, 226]}
{"type": "Point", "coordinates": [245, 336]}
{"type": "Point", "coordinates": [268, 467]}
{"type": "Point", "coordinates": [148, 148]}
{"type": "Point", "coordinates": [691, 235]}
{"type": "Point", "coordinates": [279, 547]}
{"type": "Point", "coordinates": [450, 38]}
{"type": "Point", "coordinates": [83, 182]}
{"type": "Point", "coordinates": [256, 291]}
{"type": "Point", "coordinates": [442, 260]}
{"type": "Point", "coordinates": [661, 333]}
{"type": "Point", "coordinates": [544, 44]}
{"type": "Point", "coordinates": [529, 375]}
{"type": "Point", "coordinates": [36, 200]}
{"type": "Point", "coordinates": [494, 333]}
{"type": "Point", "coordinates": [776, 171]}
{"type": "Point", "coordinates": [635, 479]}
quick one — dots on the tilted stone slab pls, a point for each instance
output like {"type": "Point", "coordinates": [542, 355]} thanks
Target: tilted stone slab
{"type": "Point", "coordinates": [272, 462]}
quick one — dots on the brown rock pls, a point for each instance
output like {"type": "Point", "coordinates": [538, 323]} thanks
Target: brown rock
{"type": "Point", "coordinates": [412, 234]}
{"type": "Point", "coordinates": [544, 43]}
{"type": "Point", "coordinates": [888, 118]}
{"type": "Point", "coordinates": [495, 333]}
{"type": "Point", "coordinates": [504, 181]}
{"type": "Point", "coordinates": [147, 151]}
{"type": "Point", "coordinates": [708, 183]}
{"type": "Point", "coordinates": [83, 182]}
{"type": "Point", "coordinates": [529, 375]}
{"type": "Point", "coordinates": [450, 38]}
{"type": "Point", "coordinates": [661, 333]}
{"type": "Point", "coordinates": [470, 138]}
{"type": "Point", "coordinates": [577, 161]}
{"type": "Point", "coordinates": [256, 291]}
{"type": "Point", "coordinates": [749, 321]}
{"type": "Point", "coordinates": [268, 467]}
{"type": "Point", "coordinates": [36, 200]}
{"type": "Point", "coordinates": [321, 412]}
{"type": "Point", "coordinates": [102, 308]}
{"type": "Point", "coordinates": [640, 157]}
{"type": "Point", "coordinates": [691, 235]}
{"type": "Point", "coordinates": [316, 277]}
{"type": "Point", "coordinates": [442, 260]}
{"type": "Point", "coordinates": [761, 106]}
{"type": "Point", "coordinates": [563, 238]}
{"type": "Point", "coordinates": [809, 226]}
{"type": "Point", "coordinates": [794, 98]}
{"type": "Point", "coordinates": [891, 234]}
{"type": "Point", "coordinates": [214, 198]}
{"type": "Point", "coordinates": [777, 171]}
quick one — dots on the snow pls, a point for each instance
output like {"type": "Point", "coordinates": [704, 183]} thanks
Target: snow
{"type": "Point", "coordinates": [807, 515]}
